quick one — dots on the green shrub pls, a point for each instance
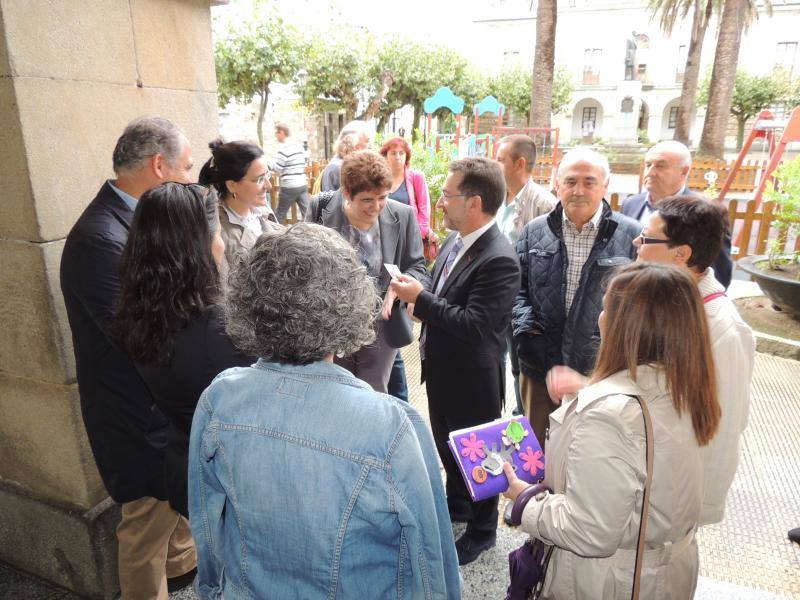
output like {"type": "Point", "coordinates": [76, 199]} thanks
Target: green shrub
{"type": "Point", "coordinates": [785, 192]}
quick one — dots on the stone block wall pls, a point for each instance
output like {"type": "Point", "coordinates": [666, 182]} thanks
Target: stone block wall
{"type": "Point", "coordinates": [72, 75]}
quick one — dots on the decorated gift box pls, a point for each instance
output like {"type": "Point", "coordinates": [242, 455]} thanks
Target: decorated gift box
{"type": "Point", "coordinates": [480, 452]}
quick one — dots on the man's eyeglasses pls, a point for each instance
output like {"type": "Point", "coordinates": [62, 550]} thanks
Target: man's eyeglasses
{"type": "Point", "coordinates": [643, 239]}
{"type": "Point", "coordinates": [448, 196]}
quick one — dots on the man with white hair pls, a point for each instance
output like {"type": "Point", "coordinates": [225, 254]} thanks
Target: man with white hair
{"type": "Point", "coordinates": [356, 134]}
{"type": "Point", "coordinates": [666, 171]}
{"type": "Point", "coordinates": [565, 256]}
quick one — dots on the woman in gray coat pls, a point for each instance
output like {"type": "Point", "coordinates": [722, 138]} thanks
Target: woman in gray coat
{"type": "Point", "coordinates": [658, 350]}
{"type": "Point", "coordinates": [381, 231]}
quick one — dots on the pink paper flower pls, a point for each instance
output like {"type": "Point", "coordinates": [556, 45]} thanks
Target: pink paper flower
{"type": "Point", "coordinates": [532, 460]}
{"type": "Point", "coordinates": [473, 447]}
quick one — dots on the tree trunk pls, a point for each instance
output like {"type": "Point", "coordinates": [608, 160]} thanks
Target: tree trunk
{"type": "Point", "coordinates": [740, 122]}
{"type": "Point", "coordinates": [262, 108]}
{"type": "Point", "coordinates": [712, 142]}
{"type": "Point", "coordinates": [374, 106]}
{"type": "Point", "coordinates": [687, 107]}
{"type": "Point", "coordinates": [350, 106]}
{"type": "Point", "coordinates": [415, 127]}
{"type": "Point", "coordinates": [382, 120]}
{"type": "Point", "coordinates": [543, 64]}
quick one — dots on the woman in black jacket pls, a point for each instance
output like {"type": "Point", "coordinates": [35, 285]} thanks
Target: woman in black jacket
{"type": "Point", "coordinates": [169, 319]}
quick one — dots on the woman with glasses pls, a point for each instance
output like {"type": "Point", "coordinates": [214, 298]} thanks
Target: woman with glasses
{"type": "Point", "coordinates": [169, 319]}
{"type": "Point", "coordinates": [382, 231]}
{"type": "Point", "coordinates": [239, 173]}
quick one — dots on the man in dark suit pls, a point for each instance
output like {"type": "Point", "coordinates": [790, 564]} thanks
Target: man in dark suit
{"type": "Point", "coordinates": [465, 314]}
{"type": "Point", "coordinates": [666, 170]}
{"type": "Point", "coordinates": [154, 541]}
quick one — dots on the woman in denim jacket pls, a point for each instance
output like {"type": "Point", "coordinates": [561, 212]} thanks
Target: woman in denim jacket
{"type": "Point", "coordinates": [303, 481]}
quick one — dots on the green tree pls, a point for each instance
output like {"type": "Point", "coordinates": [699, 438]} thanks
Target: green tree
{"type": "Point", "coordinates": [671, 12]}
{"type": "Point", "coordinates": [338, 72]}
{"type": "Point", "coordinates": [751, 95]}
{"type": "Point", "coordinates": [562, 90]}
{"type": "Point", "coordinates": [249, 59]}
{"type": "Point", "coordinates": [541, 94]}
{"type": "Point", "coordinates": [471, 85]}
{"type": "Point", "coordinates": [417, 71]}
{"type": "Point", "coordinates": [736, 16]}
{"type": "Point", "coordinates": [512, 87]}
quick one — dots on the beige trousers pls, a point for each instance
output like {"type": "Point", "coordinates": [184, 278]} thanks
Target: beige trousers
{"type": "Point", "coordinates": [155, 543]}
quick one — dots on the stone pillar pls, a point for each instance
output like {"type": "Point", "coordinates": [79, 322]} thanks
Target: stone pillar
{"type": "Point", "coordinates": [72, 75]}
{"type": "Point", "coordinates": [628, 103]}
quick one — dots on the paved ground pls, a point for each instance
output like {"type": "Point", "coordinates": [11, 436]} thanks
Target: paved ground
{"type": "Point", "coordinates": [747, 556]}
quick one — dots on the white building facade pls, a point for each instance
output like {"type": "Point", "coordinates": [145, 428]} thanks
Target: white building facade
{"type": "Point", "coordinates": [626, 72]}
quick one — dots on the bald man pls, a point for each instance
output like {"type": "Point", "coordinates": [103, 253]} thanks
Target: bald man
{"type": "Point", "coordinates": [666, 171]}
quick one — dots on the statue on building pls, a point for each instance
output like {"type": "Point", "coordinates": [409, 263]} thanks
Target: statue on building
{"type": "Point", "coordinates": [630, 57]}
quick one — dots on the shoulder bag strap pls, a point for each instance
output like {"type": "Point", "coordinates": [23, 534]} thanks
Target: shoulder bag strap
{"type": "Point", "coordinates": [648, 440]}
{"type": "Point", "coordinates": [323, 199]}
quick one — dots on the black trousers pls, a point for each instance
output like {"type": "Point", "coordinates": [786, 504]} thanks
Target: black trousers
{"type": "Point", "coordinates": [484, 407]}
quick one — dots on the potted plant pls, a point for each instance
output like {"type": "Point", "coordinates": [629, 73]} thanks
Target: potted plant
{"type": "Point", "coordinates": [778, 273]}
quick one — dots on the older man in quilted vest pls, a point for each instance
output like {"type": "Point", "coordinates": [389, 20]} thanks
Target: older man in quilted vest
{"type": "Point", "coordinates": [565, 257]}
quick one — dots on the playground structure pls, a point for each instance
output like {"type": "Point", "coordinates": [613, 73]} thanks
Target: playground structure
{"type": "Point", "coordinates": [478, 144]}
{"type": "Point", "coordinates": [776, 136]}
{"type": "Point", "coordinates": [767, 128]}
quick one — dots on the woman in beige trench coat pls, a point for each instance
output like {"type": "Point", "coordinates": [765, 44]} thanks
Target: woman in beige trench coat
{"type": "Point", "coordinates": [658, 350]}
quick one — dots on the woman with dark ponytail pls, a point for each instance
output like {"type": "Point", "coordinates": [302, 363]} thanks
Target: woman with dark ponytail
{"type": "Point", "coordinates": [169, 319]}
{"type": "Point", "coordinates": [240, 174]}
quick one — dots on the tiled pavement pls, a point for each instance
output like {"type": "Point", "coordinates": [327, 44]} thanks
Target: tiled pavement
{"type": "Point", "coordinates": [747, 556]}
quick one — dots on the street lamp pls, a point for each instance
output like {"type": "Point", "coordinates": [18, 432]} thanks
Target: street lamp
{"type": "Point", "coordinates": [302, 80]}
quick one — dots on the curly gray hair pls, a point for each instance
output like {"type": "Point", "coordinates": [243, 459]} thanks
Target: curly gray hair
{"type": "Point", "coordinates": [300, 295]}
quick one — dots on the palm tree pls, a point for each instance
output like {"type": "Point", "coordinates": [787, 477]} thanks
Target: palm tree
{"type": "Point", "coordinates": [671, 11]}
{"type": "Point", "coordinates": [736, 16]}
{"type": "Point", "coordinates": [543, 64]}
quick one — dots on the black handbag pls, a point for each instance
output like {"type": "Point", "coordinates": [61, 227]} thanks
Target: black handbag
{"type": "Point", "coordinates": [398, 330]}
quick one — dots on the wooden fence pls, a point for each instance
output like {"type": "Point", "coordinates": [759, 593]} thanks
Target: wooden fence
{"type": "Point", "coordinates": [746, 178]}
{"type": "Point", "coordinates": [313, 171]}
{"type": "Point", "coordinates": [751, 227]}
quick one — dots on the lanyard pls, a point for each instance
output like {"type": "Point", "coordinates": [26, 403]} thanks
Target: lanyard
{"type": "Point", "coordinates": [713, 296]}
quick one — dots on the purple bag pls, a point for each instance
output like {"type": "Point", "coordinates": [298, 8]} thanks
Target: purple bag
{"type": "Point", "coordinates": [480, 452]}
{"type": "Point", "coordinates": [527, 566]}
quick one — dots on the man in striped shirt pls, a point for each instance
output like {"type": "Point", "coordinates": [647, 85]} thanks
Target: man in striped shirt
{"type": "Point", "coordinates": [291, 166]}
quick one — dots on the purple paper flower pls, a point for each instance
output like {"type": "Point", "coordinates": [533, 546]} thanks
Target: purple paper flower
{"type": "Point", "coordinates": [531, 460]}
{"type": "Point", "coordinates": [473, 447]}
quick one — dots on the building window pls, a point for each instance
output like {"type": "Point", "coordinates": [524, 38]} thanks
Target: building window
{"type": "Point", "coordinates": [673, 117]}
{"type": "Point", "coordinates": [510, 58]}
{"type": "Point", "coordinates": [591, 66]}
{"type": "Point", "coordinates": [786, 55]}
{"type": "Point", "coordinates": [588, 120]}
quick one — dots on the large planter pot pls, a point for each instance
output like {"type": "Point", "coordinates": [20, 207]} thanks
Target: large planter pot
{"type": "Point", "coordinates": [783, 290]}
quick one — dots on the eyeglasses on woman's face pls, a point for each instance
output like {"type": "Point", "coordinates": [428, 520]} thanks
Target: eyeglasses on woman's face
{"type": "Point", "coordinates": [642, 239]}
{"type": "Point", "coordinates": [260, 179]}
